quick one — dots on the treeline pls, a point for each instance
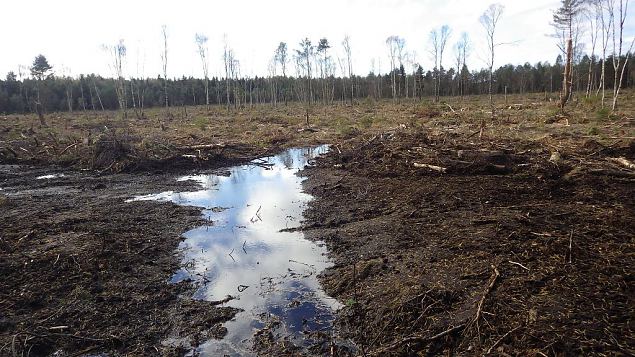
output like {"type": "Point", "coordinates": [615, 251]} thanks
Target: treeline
{"type": "Point", "coordinates": [91, 92]}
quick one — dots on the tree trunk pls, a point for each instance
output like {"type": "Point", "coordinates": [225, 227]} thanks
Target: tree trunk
{"type": "Point", "coordinates": [566, 82]}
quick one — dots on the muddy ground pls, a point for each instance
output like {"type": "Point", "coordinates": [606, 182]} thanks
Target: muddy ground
{"type": "Point", "coordinates": [84, 271]}
{"type": "Point", "coordinates": [523, 245]}
{"type": "Point", "coordinates": [506, 252]}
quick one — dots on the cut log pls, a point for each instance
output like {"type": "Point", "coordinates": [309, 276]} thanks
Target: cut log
{"type": "Point", "coordinates": [622, 161]}
{"type": "Point", "coordinates": [431, 167]}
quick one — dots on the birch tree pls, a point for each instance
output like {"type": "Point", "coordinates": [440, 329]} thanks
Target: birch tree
{"type": "Point", "coordinates": [346, 44]}
{"type": "Point", "coordinates": [393, 44]}
{"type": "Point", "coordinates": [593, 20]}
{"type": "Point", "coordinates": [618, 42]}
{"type": "Point", "coordinates": [489, 20]}
{"type": "Point", "coordinates": [201, 44]}
{"type": "Point", "coordinates": [438, 39]}
{"type": "Point", "coordinates": [606, 24]}
{"type": "Point", "coordinates": [281, 57]}
{"type": "Point", "coordinates": [117, 54]}
{"type": "Point", "coordinates": [164, 62]}
{"type": "Point", "coordinates": [228, 62]}
{"type": "Point", "coordinates": [461, 50]}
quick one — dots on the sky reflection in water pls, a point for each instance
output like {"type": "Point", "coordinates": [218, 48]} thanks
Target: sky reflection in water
{"type": "Point", "coordinates": [244, 247]}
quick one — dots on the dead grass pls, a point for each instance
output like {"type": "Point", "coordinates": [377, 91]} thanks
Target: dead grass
{"type": "Point", "coordinates": [529, 116]}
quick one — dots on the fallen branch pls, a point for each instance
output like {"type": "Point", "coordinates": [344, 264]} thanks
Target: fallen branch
{"type": "Point", "coordinates": [614, 173]}
{"type": "Point", "coordinates": [223, 301]}
{"type": "Point", "coordinates": [416, 338]}
{"type": "Point", "coordinates": [431, 167]}
{"type": "Point", "coordinates": [622, 161]}
{"type": "Point", "coordinates": [67, 148]}
{"type": "Point", "coordinates": [479, 309]}
{"type": "Point", "coordinates": [501, 340]}
{"type": "Point", "coordinates": [201, 147]}
{"type": "Point", "coordinates": [520, 265]}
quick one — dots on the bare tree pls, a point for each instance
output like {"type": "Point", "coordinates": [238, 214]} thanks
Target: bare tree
{"type": "Point", "coordinates": [68, 87]}
{"type": "Point", "coordinates": [272, 68]}
{"type": "Point", "coordinates": [438, 39]}
{"type": "Point", "coordinates": [593, 18]}
{"type": "Point", "coordinates": [305, 54]}
{"type": "Point", "coordinates": [394, 43]}
{"type": "Point", "coordinates": [606, 22]}
{"type": "Point", "coordinates": [489, 20]}
{"type": "Point", "coordinates": [164, 61]}
{"type": "Point", "coordinates": [138, 83]}
{"type": "Point", "coordinates": [201, 43]}
{"type": "Point", "coordinates": [349, 61]}
{"type": "Point", "coordinates": [565, 23]}
{"type": "Point", "coordinates": [228, 61]}
{"type": "Point", "coordinates": [303, 62]}
{"type": "Point", "coordinates": [401, 44]}
{"type": "Point", "coordinates": [117, 54]}
{"type": "Point", "coordinates": [281, 57]}
{"type": "Point", "coordinates": [618, 40]}
{"type": "Point", "coordinates": [461, 51]}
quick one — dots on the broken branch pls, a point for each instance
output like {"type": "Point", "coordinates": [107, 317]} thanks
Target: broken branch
{"type": "Point", "coordinates": [431, 167]}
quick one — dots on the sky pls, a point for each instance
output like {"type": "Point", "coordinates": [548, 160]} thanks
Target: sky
{"type": "Point", "coordinates": [71, 33]}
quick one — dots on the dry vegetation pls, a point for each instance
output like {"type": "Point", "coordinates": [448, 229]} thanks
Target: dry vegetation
{"type": "Point", "coordinates": [104, 141]}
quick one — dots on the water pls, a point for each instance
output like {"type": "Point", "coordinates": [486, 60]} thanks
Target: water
{"type": "Point", "coordinates": [270, 273]}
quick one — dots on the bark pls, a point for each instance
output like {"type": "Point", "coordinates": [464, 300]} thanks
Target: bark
{"type": "Point", "coordinates": [567, 82]}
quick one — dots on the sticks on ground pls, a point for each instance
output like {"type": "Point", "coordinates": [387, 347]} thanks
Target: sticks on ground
{"type": "Point", "coordinates": [501, 340]}
{"type": "Point", "coordinates": [415, 339]}
{"type": "Point", "coordinates": [479, 309]}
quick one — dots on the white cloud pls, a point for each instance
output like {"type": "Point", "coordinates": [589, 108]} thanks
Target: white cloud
{"type": "Point", "coordinates": [70, 32]}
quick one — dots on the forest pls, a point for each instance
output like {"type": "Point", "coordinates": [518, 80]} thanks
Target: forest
{"type": "Point", "coordinates": [93, 92]}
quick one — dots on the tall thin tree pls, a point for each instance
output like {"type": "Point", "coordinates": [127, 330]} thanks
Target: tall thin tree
{"type": "Point", "coordinates": [489, 20]}
{"type": "Point", "coordinates": [201, 44]}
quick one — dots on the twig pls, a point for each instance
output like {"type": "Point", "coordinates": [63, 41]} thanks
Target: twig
{"type": "Point", "coordinates": [231, 256]}
{"type": "Point", "coordinates": [223, 301]}
{"type": "Point", "coordinates": [501, 340]}
{"type": "Point", "coordinates": [479, 308]}
{"type": "Point", "coordinates": [295, 261]}
{"type": "Point", "coordinates": [570, 244]}
{"type": "Point", "coordinates": [416, 338]}
{"type": "Point", "coordinates": [66, 149]}
{"type": "Point", "coordinates": [520, 265]}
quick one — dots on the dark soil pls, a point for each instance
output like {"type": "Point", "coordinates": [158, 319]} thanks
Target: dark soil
{"type": "Point", "coordinates": [545, 248]}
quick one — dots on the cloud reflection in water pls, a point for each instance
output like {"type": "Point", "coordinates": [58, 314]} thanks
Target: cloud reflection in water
{"type": "Point", "coordinates": [244, 247]}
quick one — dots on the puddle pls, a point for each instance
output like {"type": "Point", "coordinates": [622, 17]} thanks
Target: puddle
{"type": "Point", "coordinates": [271, 274]}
